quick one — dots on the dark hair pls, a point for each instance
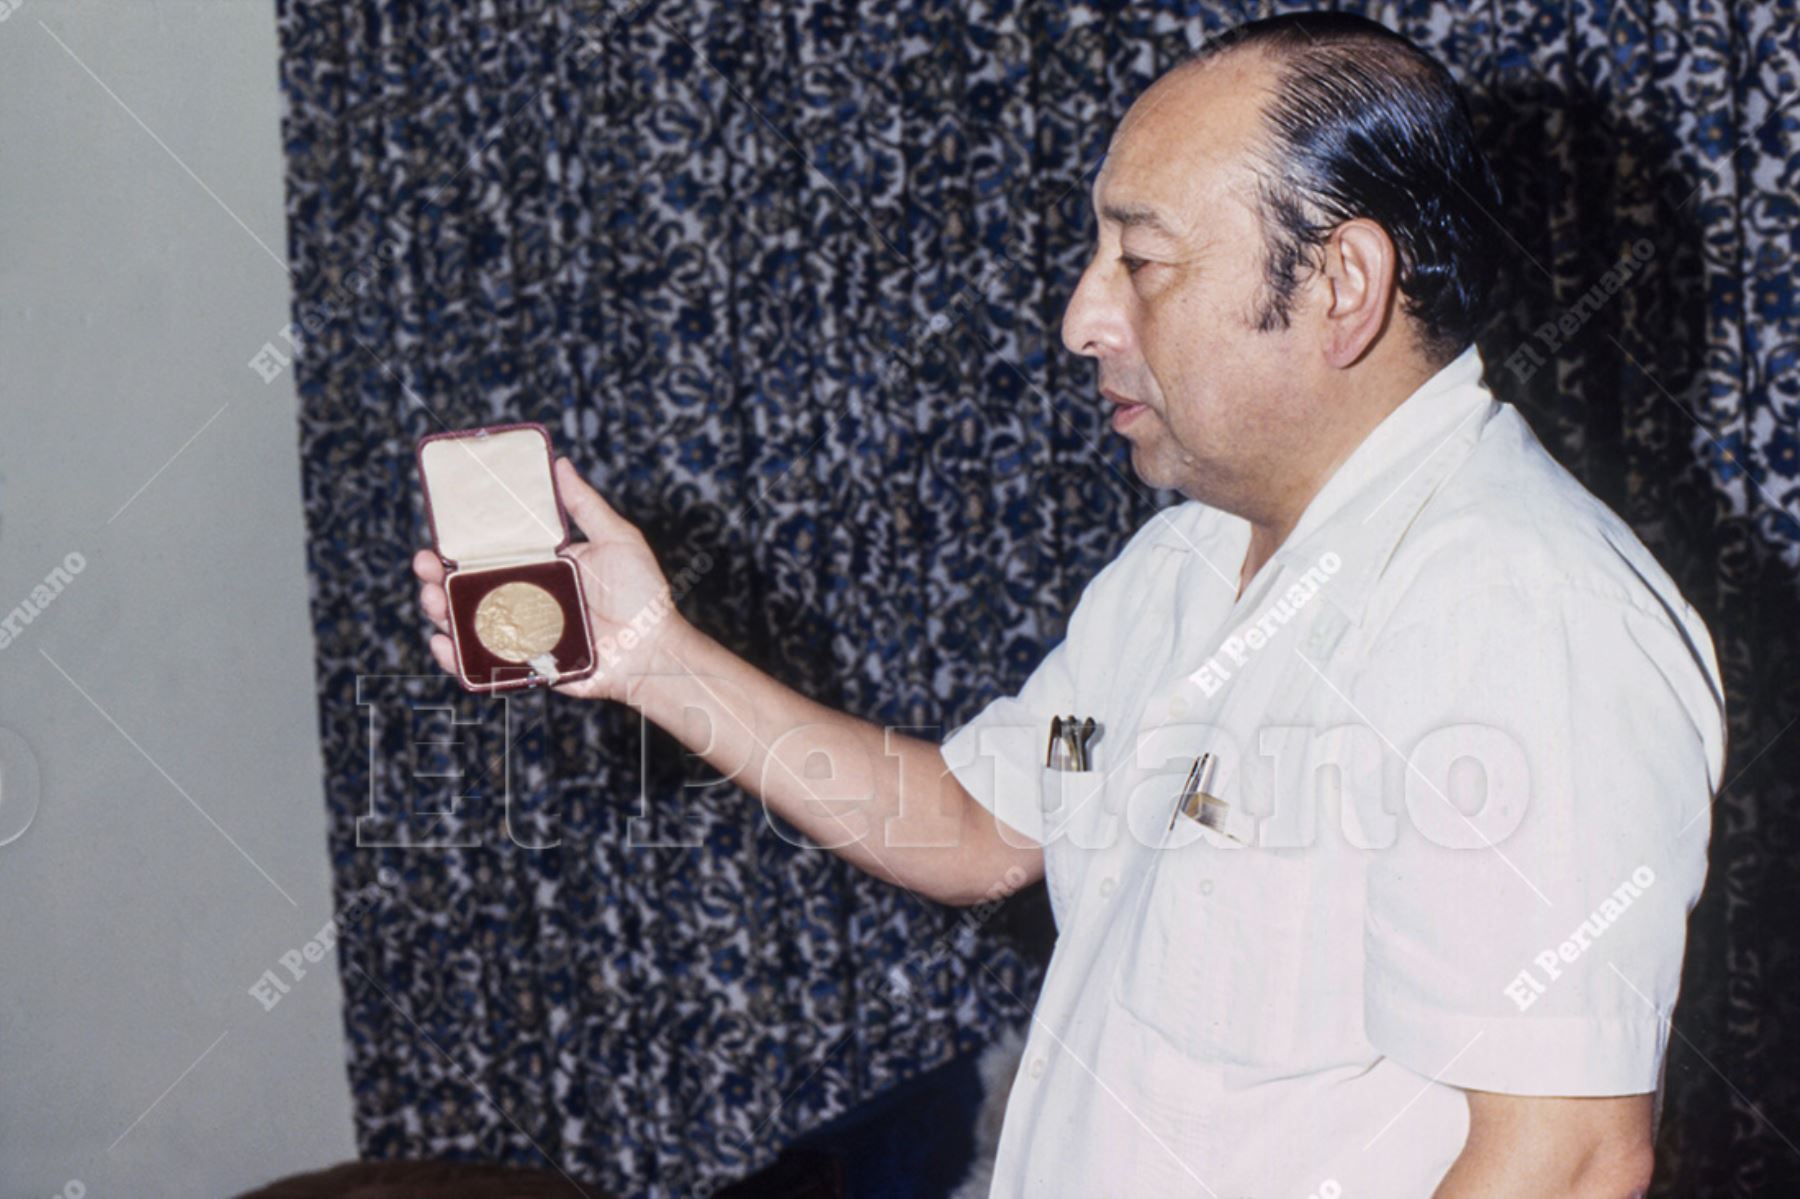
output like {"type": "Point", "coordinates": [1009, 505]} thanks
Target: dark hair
{"type": "Point", "coordinates": [1363, 123]}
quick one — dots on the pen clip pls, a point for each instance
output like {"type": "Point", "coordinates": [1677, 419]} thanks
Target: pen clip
{"type": "Point", "coordinates": [1195, 776]}
{"type": "Point", "coordinates": [1203, 772]}
{"type": "Point", "coordinates": [1068, 743]}
{"type": "Point", "coordinates": [1083, 733]}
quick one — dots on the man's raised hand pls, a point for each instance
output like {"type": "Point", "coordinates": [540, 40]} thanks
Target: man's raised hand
{"type": "Point", "coordinates": [631, 617]}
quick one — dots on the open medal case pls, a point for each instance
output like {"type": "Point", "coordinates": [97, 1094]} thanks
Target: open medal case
{"type": "Point", "coordinates": [517, 611]}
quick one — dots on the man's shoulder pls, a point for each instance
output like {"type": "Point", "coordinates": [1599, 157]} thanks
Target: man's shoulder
{"type": "Point", "coordinates": [1516, 569]}
{"type": "Point", "coordinates": [1514, 518]}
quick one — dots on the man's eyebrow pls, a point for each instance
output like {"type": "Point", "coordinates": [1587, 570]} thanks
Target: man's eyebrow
{"type": "Point", "coordinates": [1137, 216]}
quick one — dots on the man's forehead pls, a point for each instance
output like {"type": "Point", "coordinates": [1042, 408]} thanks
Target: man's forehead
{"type": "Point", "coordinates": [1183, 143]}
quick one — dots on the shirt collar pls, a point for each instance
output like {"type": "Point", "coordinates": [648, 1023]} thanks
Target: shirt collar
{"type": "Point", "coordinates": [1374, 494]}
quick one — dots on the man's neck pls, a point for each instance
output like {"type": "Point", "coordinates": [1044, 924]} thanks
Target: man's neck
{"type": "Point", "coordinates": [1263, 545]}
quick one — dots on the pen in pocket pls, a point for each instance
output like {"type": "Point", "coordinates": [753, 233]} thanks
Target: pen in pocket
{"type": "Point", "coordinates": [1068, 743]}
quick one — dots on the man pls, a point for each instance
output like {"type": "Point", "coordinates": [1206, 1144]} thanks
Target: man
{"type": "Point", "coordinates": [1416, 926]}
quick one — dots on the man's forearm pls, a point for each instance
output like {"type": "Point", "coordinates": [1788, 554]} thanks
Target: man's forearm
{"type": "Point", "coordinates": [1529, 1147]}
{"type": "Point", "coordinates": [1517, 1179]}
{"type": "Point", "coordinates": [880, 799]}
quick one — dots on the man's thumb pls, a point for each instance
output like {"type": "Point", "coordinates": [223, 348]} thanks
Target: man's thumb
{"type": "Point", "coordinates": [592, 514]}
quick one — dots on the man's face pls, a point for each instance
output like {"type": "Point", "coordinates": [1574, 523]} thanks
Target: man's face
{"type": "Point", "coordinates": [1167, 305]}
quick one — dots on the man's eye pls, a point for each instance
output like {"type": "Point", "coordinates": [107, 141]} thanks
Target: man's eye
{"type": "Point", "coordinates": [1132, 265]}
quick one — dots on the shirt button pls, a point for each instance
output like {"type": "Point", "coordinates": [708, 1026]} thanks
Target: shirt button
{"type": "Point", "coordinates": [1178, 708]}
{"type": "Point", "coordinates": [1037, 1067]}
{"type": "Point", "coordinates": [1107, 886]}
{"type": "Point", "coordinates": [1206, 886]}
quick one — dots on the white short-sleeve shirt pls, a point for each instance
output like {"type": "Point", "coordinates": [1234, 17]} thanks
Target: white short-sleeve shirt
{"type": "Point", "coordinates": [1466, 733]}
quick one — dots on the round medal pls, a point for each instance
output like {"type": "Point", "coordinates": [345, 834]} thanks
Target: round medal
{"type": "Point", "coordinates": [518, 621]}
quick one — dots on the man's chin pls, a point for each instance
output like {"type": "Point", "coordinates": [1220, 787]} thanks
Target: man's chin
{"type": "Point", "coordinates": [1150, 468]}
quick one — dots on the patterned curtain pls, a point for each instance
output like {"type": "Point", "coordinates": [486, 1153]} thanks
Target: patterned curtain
{"type": "Point", "coordinates": [785, 281]}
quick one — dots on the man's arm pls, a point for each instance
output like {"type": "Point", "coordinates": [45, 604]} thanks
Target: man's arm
{"type": "Point", "coordinates": [881, 800]}
{"type": "Point", "coordinates": [1532, 1147]}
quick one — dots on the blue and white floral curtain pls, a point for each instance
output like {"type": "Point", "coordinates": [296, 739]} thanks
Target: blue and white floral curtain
{"type": "Point", "coordinates": [784, 279]}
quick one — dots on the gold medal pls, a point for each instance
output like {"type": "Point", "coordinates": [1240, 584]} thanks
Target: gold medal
{"type": "Point", "coordinates": [518, 621]}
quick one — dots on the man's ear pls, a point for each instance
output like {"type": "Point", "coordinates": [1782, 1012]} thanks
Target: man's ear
{"type": "Point", "coordinates": [1358, 278]}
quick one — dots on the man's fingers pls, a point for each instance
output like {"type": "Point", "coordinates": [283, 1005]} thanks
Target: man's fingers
{"type": "Point", "coordinates": [428, 566]}
{"type": "Point", "coordinates": [436, 605]}
{"type": "Point", "coordinates": [592, 514]}
{"type": "Point", "coordinates": [444, 652]}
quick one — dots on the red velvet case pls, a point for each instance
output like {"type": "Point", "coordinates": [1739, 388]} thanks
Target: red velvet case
{"type": "Point", "coordinates": [490, 494]}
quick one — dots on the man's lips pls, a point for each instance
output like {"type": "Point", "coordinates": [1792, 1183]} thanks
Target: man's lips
{"type": "Point", "coordinates": [1125, 410]}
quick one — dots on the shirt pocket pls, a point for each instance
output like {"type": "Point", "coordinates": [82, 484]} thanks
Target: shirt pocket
{"type": "Point", "coordinates": [1214, 960]}
{"type": "Point", "coordinates": [1073, 804]}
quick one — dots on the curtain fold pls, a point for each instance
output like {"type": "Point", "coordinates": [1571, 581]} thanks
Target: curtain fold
{"type": "Point", "coordinates": [785, 280]}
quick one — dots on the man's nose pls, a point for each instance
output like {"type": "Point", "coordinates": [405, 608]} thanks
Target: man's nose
{"type": "Point", "coordinates": [1092, 324]}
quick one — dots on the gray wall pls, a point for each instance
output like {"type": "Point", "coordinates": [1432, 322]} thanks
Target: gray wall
{"type": "Point", "coordinates": [177, 849]}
